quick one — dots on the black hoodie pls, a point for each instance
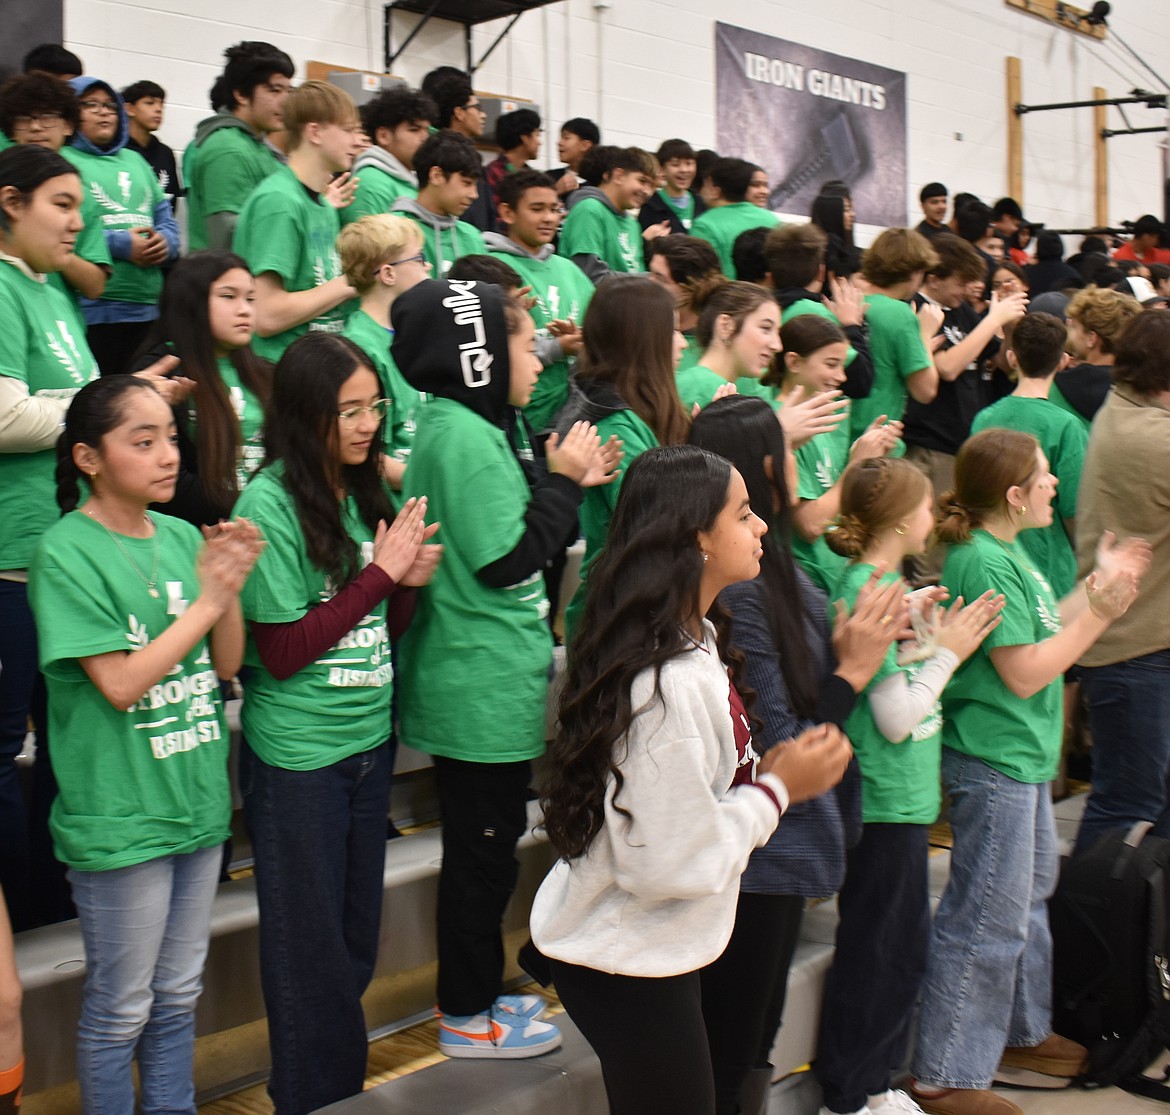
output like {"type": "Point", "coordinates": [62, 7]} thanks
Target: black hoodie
{"type": "Point", "coordinates": [451, 340]}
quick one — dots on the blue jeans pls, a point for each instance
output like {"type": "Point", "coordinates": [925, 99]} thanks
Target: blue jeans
{"type": "Point", "coordinates": [145, 930]}
{"type": "Point", "coordinates": [989, 971]}
{"type": "Point", "coordinates": [319, 840]}
{"type": "Point", "coordinates": [1129, 716]}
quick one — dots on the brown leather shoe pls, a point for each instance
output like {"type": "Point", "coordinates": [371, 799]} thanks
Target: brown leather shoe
{"type": "Point", "coordinates": [965, 1101]}
{"type": "Point", "coordinates": [1054, 1056]}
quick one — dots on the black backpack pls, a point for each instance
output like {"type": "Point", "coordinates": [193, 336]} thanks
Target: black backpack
{"type": "Point", "coordinates": [1110, 919]}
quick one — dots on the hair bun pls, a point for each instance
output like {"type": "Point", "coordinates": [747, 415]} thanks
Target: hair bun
{"type": "Point", "coordinates": [848, 536]}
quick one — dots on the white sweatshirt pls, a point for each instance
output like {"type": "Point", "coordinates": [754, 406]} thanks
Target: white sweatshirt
{"type": "Point", "coordinates": [656, 895]}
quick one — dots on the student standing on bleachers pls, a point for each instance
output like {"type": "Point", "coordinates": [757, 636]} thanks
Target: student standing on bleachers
{"type": "Point", "coordinates": [287, 229]}
{"type": "Point", "coordinates": [739, 330]}
{"type": "Point", "coordinates": [728, 211]}
{"type": "Point", "coordinates": [894, 267]}
{"type": "Point", "coordinates": [448, 170]}
{"type": "Point", "coordinates": [333, 589]}
{"type": "Point", "coordinates": [206, 318]}
{"type": "Point", "coordinates": [474, 664]}
{"type": "Point", "coordinates": [228, 156]}
{"type": "Point", "coordinates": [136, 219]}
{"type": "Point", "coordinates": [381, 255]}
{"type": "Point", "coordinates": [681, 264]}
{"type": "Point", "coordinates": [139, 622]}
{"type": "Point", "coordinates": [624, 383]}
{"type": "Point", "coordinates": [600, 234]}
{"type": "Point", "coordinates": [801, 678]}
{"type": "Point", "coordinates": [815, 353]}
{"type": "Point", "coordinates": [145, 103]}
{"type": "Point", "coordinates": [461, 112]}
{"type": "Point", "coordinates": [518, 135]}
{"type": "Point", "coordinates": [530, 215]}
{"type": "Point", "coordinates": [656, 795]}
{"type": "Point", "coordinates": [40, 110]}
{"type": "Point", "coordinates": [674, 201]}
{"type": "Point", "coordinates": [398, 123]}
{"type": "Point", "coordinates": [987, 993]}
{"type": "Point", "coordinates": [887, 514]}
{"type": "Point", "coordinates": [43, 363]}
{"type": "Point", "coordinates": [578, 137]}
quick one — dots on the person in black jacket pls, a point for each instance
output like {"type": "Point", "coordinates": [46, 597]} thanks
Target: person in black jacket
{"type": "Point", "coordinates": [676, 203]}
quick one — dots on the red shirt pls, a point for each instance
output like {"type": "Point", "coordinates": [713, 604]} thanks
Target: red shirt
{"type": "Point", "coordinates": [1154, 255]}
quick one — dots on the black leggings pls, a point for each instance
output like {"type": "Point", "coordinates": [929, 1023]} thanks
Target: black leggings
{"type": "Point", "coordinates": [744, 990]}
{"type": "Point", "coordinates": [648, 1035]}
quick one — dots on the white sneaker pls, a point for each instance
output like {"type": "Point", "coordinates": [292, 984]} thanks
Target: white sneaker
{"type": "Point", "coordinates": [892, 1101]}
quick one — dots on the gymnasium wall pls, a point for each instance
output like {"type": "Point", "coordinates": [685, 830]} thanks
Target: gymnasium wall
{"type": "Point", "coordinates": [644, 69]}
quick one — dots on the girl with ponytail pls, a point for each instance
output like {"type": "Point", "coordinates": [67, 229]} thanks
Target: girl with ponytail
{"type": "Point", "coordinates": [886, 516]}
{"type": "Point", "coordinates": [137, 622]}
{"type": "Point", "coordinates": [739, 332]}
{"type": "Point", "coordinates": [989, 979]}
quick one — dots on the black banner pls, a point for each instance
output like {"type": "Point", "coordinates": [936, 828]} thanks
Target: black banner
{"type": "Point", "coordinates": [806, 116]}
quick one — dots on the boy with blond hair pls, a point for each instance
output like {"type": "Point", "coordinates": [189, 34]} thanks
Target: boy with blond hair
{"type": "Point", "coordinates": [381, 258]}
{"type": "Point", "coordinates": [287, 230]}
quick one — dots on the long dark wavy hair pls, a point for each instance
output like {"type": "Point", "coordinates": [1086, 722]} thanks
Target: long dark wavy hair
{"type": "Point", "coordinates": [629, 342]}
{"type": "Point", "coordinates": [301, 431]}
{"type": "Point", "coordinates": [644, 590]}
{"type": "Point", "coordinates": [184, 325]}
{"type": "Point", "coordinates": [744, 430]}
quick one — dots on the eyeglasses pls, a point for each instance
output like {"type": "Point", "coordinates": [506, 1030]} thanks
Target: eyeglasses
{"type": "Point", "coordinates": [98, 106]}
{"type": "Point", "coordinates": [477, 107]}
{"type": "Point", "coordinates": [377, 408]}
{"type": "Point", "coordinates": [420, 258]}
{"type": "Point", "coordinates": [44, 119]}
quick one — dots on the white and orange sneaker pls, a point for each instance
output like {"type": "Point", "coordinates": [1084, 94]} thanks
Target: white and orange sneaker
{"type": "Point", "coordinates": [497, 1032]}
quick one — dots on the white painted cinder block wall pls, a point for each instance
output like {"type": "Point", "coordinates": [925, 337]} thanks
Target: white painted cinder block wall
{"type": "Point", "coordinates": [644, 69]}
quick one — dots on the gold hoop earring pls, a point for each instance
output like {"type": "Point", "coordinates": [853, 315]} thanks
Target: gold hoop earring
{"type": "Point", "coordinates": [1022, 510]}
{"type": "Point", "coordinates": [899, 529]}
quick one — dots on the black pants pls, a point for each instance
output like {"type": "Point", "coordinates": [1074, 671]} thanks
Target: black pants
{"type": "Point", "coordinates": [115, 345]}
{"type": "Point", "coordinates": [878, 965]}
{"type": "Point", "coordinates": [648, 1035]}
{"type": "Point", "coordinates": [483, 809]}
{"type": "Point", "coordinates": [744, 990]}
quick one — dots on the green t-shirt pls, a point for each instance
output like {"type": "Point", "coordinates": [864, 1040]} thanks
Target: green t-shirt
{"type": "Point", "coordinates": [1064, 440]}
{"type": "Point", "coordinates": [405, 401]}
{"type": "Point", "coordinates": [285, 229]}
{"type": "Point", "coordinates": [473, 665]}
{"type": "Point", "coordinates": [819, 464]}
{"type": "Point", "coordinates": [441, 247]}
{"type": "Point", "coordinates": [899, 781]}
{"type": "Point", "coordinates": [561, 290]}
{"type": "Point", "coordinates": [221, 172]}
{"type": "Point", "coordinates": [44, 347]}
{"type": "Point", "coordinates": [338, 705]}
{"type": "Point", "coordinates": [593, 228]}
{"type": "Point", "coordinates": [814, 306]}
{"type": "Point", "coordinates": [124, 191]}
{"type": "Point", "coordinates": [251, 417]}
{"type": "Point", "coordinates": [697, 384]}
{"type": "Point", "coordinates": [691, 355]}
{"type": "Point", "coordinates": [897, 351]}
{"type": "Point", "coordinates": [684, 212]}
{"type": "Point", "coordinates": [598, 505]}
{"type": "Point", "coordinates": [1018, 736]}
{"type": "Point", "coordinates": [90, 245]}
{"type": "Point", "coordinates": [139, 783]}
{"type": "Point", "coordinates": [376, 192]}
{"type": "Point", "coordinates": [721, 225]}
{"type": "Point", "coordinates": [5, 142]}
